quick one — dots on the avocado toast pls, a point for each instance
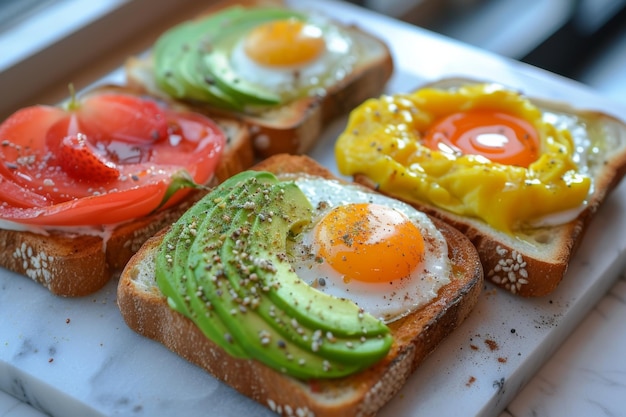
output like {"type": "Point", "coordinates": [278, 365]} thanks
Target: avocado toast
{"type": "Point", "coordinates": [285, 104]}
{"type": "Point", "coordinates": [358, 366]}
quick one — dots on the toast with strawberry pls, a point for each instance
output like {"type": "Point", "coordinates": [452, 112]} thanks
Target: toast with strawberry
{"type": "Point", "coordinates": [85, 183]}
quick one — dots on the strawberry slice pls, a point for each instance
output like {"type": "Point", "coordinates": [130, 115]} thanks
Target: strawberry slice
{"type": "Point", "coordinates": [82, 161]}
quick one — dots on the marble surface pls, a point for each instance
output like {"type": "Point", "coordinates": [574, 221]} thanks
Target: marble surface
{"type": "Point", "coordinates": [76, 356]}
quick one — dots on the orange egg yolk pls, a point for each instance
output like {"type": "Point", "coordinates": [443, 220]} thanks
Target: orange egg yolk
{"type": "Point", "coordinates": [500, 137]}
{"type": "Point", "coordinates": [284, 43]}
{"type": "Point", "coordinates": [369, 242]}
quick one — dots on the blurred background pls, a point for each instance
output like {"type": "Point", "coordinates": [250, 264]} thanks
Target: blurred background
{"type": "Point", "coordinates": [580, 39]}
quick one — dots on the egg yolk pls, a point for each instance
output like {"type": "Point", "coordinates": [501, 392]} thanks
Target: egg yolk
{"type": "Point", "coordinates": [497, 136]}
{"type": "Point", "coordinates": [369, 242]}
{"type": "Point", "coordinates": [284, 43]}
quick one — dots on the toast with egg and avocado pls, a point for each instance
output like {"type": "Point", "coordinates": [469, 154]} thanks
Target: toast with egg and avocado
{"type": "Point", "coordinates": [522, 178]}
{"type": "Point", "coordinates": [86, 182]}
{"type": "Point", "coordinates": [277, 284]}
{"type": "Point", "coordinates": [284, 72]}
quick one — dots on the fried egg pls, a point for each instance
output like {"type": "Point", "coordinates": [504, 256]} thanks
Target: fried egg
{"type": "Point", "coordinates": [382, 254]}
{"type": "Point", "coordinates": [294, 57]}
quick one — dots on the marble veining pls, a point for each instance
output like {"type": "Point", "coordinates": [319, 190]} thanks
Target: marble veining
{"type": "Point", "coordinates": [587, 376]}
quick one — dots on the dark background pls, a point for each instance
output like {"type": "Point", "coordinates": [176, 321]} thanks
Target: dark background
{"type": "Point", "coordinates": [580, 39]}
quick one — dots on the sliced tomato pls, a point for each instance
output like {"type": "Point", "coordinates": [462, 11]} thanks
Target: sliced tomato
{"type": "Point", "coordinates": [22, 138]}
{"type": "Point", "coordinates": [96, 164]}
{"type": "Point", "coordinates": [126, 118]}
{"type": "Point", "coordinates": [115, 208]}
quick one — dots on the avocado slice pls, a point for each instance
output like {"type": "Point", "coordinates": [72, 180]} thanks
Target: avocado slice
{"type": "Point", "coordinates": [192, 59]}
{"type": "Point", "coordinates": [218, 63]}
{"type": "Point", "coordinates": [230, 275]}
{"type": "Point", "coordinates": [284, 208]}
{"type": "Point", "coordinates": [178, 55]}
{"type": "Point", "coordinates": [171, 260]}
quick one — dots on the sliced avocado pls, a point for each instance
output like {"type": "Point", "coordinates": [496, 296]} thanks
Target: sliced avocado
{"type": "Point", "coordinates": [171, 260]}
{"type": "Point", "coordinates": [166, 53]}
{"type": "Point", "coordinates": [227, 79]}
{"type": "Point", "coordinates": [218, 63]}
{"type": "Point", "coordinates": [191, 60]}
{"type": "Point", "coordinates": [178, 55]}
{"type": "Point", "coordinates": [281, 208]}
{"type": "Point", "coordinates": [230, 275]}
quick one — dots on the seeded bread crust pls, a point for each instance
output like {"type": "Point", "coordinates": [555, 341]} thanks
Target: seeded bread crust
{"type": "Point", "coordinates": [295, 127]}
{"type": "Point", "coordinates": [74, 265]}
{"type": "Point", "coordinates": [146, 311]}
{"type": "Point", "coordinates": [533, 264]}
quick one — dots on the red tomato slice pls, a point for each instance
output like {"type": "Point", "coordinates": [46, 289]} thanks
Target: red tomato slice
{"type": "Point", "coordinates": [20, 135]}
{"type": "Point", "coordinates": [41, 185]}
{"type": "Point", "coordinates": [89, 210]}
{"type": "Point", "coordinates": [127, 118]}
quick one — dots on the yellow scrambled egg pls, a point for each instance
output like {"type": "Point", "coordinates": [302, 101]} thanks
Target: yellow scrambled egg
{"type": "Point", "coordinates": [386, 140]}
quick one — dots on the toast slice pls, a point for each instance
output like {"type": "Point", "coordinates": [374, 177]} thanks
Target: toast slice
{"type": "Point", "coordinates": [293, 127]}
{"type": "Point", "coordinates": [77, 263]}
{"type": "Point", "coordinates": [147, 312]}
{"type": "Point", "coordinates": [532, 261]}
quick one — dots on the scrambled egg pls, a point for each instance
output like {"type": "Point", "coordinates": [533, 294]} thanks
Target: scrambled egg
{"type": "Point", "coordinates": [461, 167]}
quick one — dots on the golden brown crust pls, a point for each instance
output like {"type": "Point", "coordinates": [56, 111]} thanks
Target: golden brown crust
{"type": "Point", "coordinates": [65, 265]}
{"type": "Point", "coordinates": [78, 265]}
{"type": "Point", "coordinates": [146, 311]}
{"type": "Point", "coordinates": [293, 128]}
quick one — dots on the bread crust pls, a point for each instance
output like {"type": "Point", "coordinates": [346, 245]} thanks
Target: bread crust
{"type": "Point", "coordinates": [295, 127]}
{"type": "Point", "coordinates": [146, 311]}
{"type": "Point", "coordinates": [513, 262]}
{"type": "Point", "coordinates": [78, 264]}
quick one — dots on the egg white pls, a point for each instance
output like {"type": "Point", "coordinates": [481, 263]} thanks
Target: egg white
{"type": "Point", "coordinates": [586, 154]}
{"type": "Point", "coordinates": [388, 301]}
{"type": "Point", "coordinates": [312, 78]}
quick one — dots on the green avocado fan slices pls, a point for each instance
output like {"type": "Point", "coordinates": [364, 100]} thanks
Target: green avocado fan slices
{"type": "Point", "coordinates": [177, 56]}
{"type": "Point", "coordinates": [224, 265]}
{"type": "Point", "coordinates": [192, 59]}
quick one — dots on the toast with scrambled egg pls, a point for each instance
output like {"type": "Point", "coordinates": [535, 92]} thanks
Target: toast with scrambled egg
{"type": "Point", "coordinates": [294, 71]}
{"type": "Point", "coordinates": [78, 259]}
{"type": "Point", "coordinates": [521, 178]}
{"type": "Point", "coordinates": [236, 303]}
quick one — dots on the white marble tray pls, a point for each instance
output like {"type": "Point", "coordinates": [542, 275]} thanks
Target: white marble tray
{"type": "Point", "coordinates": [77, 357]}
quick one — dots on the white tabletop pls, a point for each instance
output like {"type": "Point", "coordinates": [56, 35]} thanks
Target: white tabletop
{"type": "Point", "coordinates": [585, 376]}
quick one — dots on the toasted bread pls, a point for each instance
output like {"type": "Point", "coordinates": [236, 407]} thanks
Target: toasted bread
{"type": "Point", "coordinates": [80, 262]}
{"type": "Point", "coordinates": [293, 127]}
{"type": "Point", "coordinates": [533, 261]}
{"type": "Point", "coordinates": [147, 312]}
